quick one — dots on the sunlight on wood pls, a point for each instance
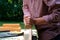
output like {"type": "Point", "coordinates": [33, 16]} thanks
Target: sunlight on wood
{"type": "Point", "coordinates": [11, 27]}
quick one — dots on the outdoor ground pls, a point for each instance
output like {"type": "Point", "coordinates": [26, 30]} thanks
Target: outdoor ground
{"type": "Point", "coordinates": [22, 30]}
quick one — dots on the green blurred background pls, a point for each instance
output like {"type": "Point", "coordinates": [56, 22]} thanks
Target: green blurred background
{"type": "Point", "coordinates": [11, 12]}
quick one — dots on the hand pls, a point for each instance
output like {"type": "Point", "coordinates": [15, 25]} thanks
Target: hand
{"type": "Point", "coordinates": [27, 22]}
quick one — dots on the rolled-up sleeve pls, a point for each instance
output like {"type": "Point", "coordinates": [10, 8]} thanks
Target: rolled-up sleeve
{"type": "Point", "coordinates": [49, 17]}
{"type": "Point", "coordinates": [25, 8]}
{"type": "Point", "coordinates": [49, 2]}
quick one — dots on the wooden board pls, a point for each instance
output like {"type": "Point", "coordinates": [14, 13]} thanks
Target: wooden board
{"type": "Point", "coordinates": [11, 27]}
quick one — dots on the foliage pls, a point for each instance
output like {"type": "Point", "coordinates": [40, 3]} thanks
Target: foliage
{"type": "Point", "coordinates": [11, 10]}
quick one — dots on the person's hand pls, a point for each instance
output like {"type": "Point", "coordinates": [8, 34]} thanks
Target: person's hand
{"type": "Point", "coordinates": [27, 22]}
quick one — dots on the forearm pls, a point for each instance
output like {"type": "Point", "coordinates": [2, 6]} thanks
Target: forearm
{"type": "Point", "coordinates": [44, 19]}
{"type": "Point", "coordinates": [39, 21]}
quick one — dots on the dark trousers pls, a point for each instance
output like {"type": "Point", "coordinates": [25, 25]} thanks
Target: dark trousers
{"type": "Point", "coordinates": [56, 38]}
{"type": "Point", "coordinates": [47, 36]}
{"type": "Point", "coordinates": [47, 33]}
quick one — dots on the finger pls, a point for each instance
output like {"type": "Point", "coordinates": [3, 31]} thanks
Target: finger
{"type": "Point", "coordinates": [26, 22]}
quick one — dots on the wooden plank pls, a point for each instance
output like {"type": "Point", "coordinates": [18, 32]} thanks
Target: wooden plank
{"type": "Point", "coordinates": [11, 27]}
